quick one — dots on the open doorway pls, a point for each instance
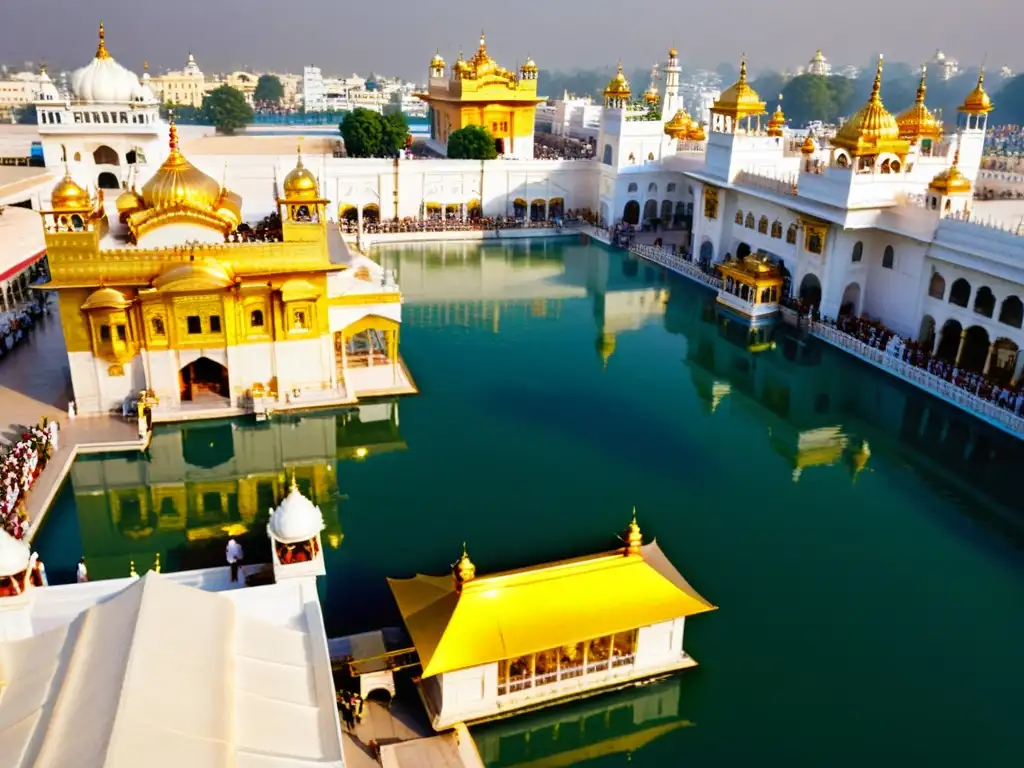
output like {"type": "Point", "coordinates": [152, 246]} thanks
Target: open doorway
{"type": "Point", "coordinates": [499, 146]}
{"type": "Point", "coordinates": [203, 379]}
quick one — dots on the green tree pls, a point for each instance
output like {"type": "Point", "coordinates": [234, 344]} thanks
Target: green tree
{"type": "Point", "coordinates": [226, 109]}
{"type": "Point", "coordinates": [268, 90]}
{"type": "Point", "coordinates": [474, 142]}
{"type": "Point", "coordinates": [362, 130]}
{"type": "Point", "coordinates": [394, 133]}
{"type": "Point", "coordinates": [807, 98]}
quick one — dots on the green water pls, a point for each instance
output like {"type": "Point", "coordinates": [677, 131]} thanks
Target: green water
{"type": "Point", "coordinates": [870, 614]}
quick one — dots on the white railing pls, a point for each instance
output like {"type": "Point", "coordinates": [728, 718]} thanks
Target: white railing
{"type": "Point", "coordinates": [676, 263]}
{"type": "Point", "coordinates": [566, 673]}
{"type": "Point", "coordinates": [921, 378]}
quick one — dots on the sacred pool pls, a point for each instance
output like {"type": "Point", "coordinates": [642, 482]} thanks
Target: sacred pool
{"type": "Point", "coordinates": [862, 539]}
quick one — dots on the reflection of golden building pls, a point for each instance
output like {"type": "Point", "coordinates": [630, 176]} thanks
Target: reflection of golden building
{"type": "Point", "coordinates": [173, 296]}
{"type": "Point", "coordinates": [210, 480]}
{"type": "Point", "coordinates": [479, 92]}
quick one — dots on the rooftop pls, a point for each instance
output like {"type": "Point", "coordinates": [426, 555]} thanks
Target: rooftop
{"type": "Point", "coordinates": [21, 238]}
{"type": "Point", "coordinates": [248, 144]}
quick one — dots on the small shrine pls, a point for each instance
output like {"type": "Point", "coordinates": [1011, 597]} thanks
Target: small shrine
{"type": "Point", "coordinates": [750, 286]}
{"type": "Point", "coordinates": [294, 530]}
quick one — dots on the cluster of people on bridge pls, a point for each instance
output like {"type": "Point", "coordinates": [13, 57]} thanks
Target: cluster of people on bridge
{"type": "Point", "coordinates": [17, 324]}
{"type": "Point", "coordinates": [20, 465]}
{"type": "Point", "coordinates": [455, 223]}
{"type": "Point", "coordinates": [875, 334]}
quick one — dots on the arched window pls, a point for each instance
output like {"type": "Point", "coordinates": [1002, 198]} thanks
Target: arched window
{"type": "Point", "coordinates": [1011, 312]}
{"type": "Point", "coordinates": [960, 293]}
{"type": "Point", "coordinates": [791, 234]}
{"type": "Point", "coordinates": [256, 318]}
{"type": "Point", "coordinates": [749, 221]}
{"type": "Point", "coordinates": [632, 187]}
{"type": "Point", "coordinates": [607, 154]}
{"type": "Point", "coordinates": [652, 188]}
{"type": "Point", "coordinates": [777, 230]}
{"type": "Point", "coordinates": [937, 286]}
{"type": "Point", "coordinates": [158, 326]}
{"type": "Point", "coordinates": [739, 218]}
{"type": "Point", "coordinates": [762, 225]}
{"type": "Point", "coordinates": [105, 156]}
{"type": "Point", "coordinates": [858, 251]}
{"type": "Point", "coordinates": [888, 258]}
{"type": "Point", "coordinates": [985, 301]}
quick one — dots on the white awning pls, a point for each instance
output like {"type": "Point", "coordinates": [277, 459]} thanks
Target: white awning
{"type": "Point", "coordinates": [164, 675]}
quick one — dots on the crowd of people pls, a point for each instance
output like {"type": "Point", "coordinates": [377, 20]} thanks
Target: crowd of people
{"type": "Point", "coordinates": [351, 707]}
{"type": "Point", "coordinates": [1007, 143]}
{"type": "Point", "coordinates": [17, 324]}
{"type": "Point", "coordinates": [20, 465]}
{"type": "Point", "coordinates": [455, 223]}
{"type": "Point", "coordinates": [875, 334]}
{"type": "Point", "coordinates": [550, 147]}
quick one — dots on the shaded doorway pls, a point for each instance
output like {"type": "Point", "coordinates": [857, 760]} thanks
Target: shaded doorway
{"type": "Point", "coordinates": [203, 378]}
{"type": "Point", "coordinates": [631, 213]}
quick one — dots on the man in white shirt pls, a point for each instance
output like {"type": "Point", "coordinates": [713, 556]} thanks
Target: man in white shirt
{"type": "Point", "coordinates": [83, 572]}
{"type": "Point", "coordinates": [234, 557]}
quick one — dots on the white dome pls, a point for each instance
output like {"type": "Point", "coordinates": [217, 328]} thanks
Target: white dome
{"type": "Point", "coordinates": [47, 90]}
{"type": "Point", "coordinates": [14, 554]}
{"type": "Point", "coordinates": [296, 518]}
{"type": "Point", "coordinates": [104, 81]}
{"type": "Point", "coordinates": [142, 94]}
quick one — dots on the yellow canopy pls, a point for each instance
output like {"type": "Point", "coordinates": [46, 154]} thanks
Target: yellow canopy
{"type": "Point", "coordinates": [515, 613]}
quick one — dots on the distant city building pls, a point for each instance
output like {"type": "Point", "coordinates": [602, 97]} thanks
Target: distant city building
{"type": "Point", "coordinates": [187, 87]}
{"type": "Point", "coordinates": [313, 96]}
{"type": "Point", "coordinates": [819, 65]}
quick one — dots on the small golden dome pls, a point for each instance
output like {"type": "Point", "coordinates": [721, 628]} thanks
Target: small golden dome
{"type": "Point", "coordinates": [672, 53]}
{"type": "Point", "coordinates": [529, 65]}
{"type": "Point", "coordinates": [872, 130]}
{"type": "Point", "coordinates": [680, 125]}
{"type": "Point", "coordinates": [696, 133]}
{"type": "Point", "coordinates": [917, 122]}
{"type": "Point", "coordinates": [464, 568]}
{"type": "Point", "coordinates": [229, 207]}
{"type": "Point", "coordinates": [634, 539]}
{"type": "Point", "coordinates": [438, 61]}
{"type": "Point", "coordinates": [68, 196]}
{"type": "Point", "coordinates": [300, 183]}
{"type": "Point", "coordinates": [810, 146]}
{"type": "Point", "coordinates": [977, 101]}
{"type": "Point", "coordinates": [951, 181]}
{"type": "Point", "coordinates": [777, 121]}
{"type": "Point", "coordinates": [739, 100]}
{"type": "Point", "coordinates": [106, 298]}
{"type": "Point", "coordinates": [179, 183]}
{"type": "Point", "coordinates": [128, 202]}
{"type": "Point", "coordinates": [618, 86]}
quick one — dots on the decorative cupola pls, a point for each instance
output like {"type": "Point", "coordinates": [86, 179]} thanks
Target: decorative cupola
{"type": "Point", "coordinates": [73, 209]}
{"type": "Point", "coordinates": [634, 539]}
{"type": "Point", "coordinates": [679, 126]}
{"type": "Point", "coordinates": [16, 563]}
{"type": "Point", "coordinates": [463, 570]}
{"type": "Point", "coordinates": [871, 137]}
{"type": "Point", "coordinates": [47, 90]}
{"type": "Point", "coordinates": [617, 92]}
{"type": "Point", "coordinates": [976, 106]}
{"type": "Point", "coordinates": [294, 530]}
{"type": "Point", "coordinates": [737, 107]}
{"type": "Point", "coordinates": [529, 69]}
{"type": "Point", "coordinates": [68, 197]}
{"type": "Point", "coordinates": [950, 191]}
{"type": "Point", "coordinates": [807, 149]}
{"type": "Point", "coordinates": [916, 123]}
{"type": "Point", "coordinates": [696, 132]}
{"type": "Point", "coordinates": [651, 95]}
{"type": "Point", "coordinates": [303, 209]}
{"type": "Point", "coordinates": [777, 122]}
{"type": "Point", "coordinates": [437, 65]}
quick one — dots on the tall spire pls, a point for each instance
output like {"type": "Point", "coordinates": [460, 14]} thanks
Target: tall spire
{"type": "Point", "coordinates": [922, 88]}
{"type": "Point", "coordinates": [876, 87]}
{"type": "Point", "coordinates": [743, 68]}
{"type": "Point", "coordinates": [101, 50]}
{"type": "Point", "coordinates": [173, 132]}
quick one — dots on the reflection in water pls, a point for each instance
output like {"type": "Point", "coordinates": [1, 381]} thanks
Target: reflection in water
{"type": "Point", "coordinates": [204, 482]}
{"type": "Point", "coordinates": [564, 736]}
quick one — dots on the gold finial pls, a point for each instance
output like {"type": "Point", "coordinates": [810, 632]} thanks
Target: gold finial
{"type": "Point", "coordinates": [173, 132]}
{"type": "Point", "coordinates": [876, 87]}
{"type": "Point", "coordinates": [294, 485]}
{"type": "Point", "coordinates": [464, 568]}
{"type": "Point", "coordinates": [634, 539]}
{"type": "Point", "coordinates": [299, 150]}
{"type": "Point", "coordinates": [42, 66]}
{"type": "Point", "coordinates": [921, 87]}
{"type": "Point", "coordinates": [156, 563]}
{"type": "Point", "coordinates": [131, 563]}
{"type": "Point", "coordinates": [101, 50]}
{"type": "Point", "coordinates": [483, 41]}
{"type": "Point", "coordinates": [743, 68]}
{"type": "Point", "coordinates": [145, 66]}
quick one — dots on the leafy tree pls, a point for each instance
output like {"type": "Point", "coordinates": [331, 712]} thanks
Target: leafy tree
{"type": "Point", "coordinates": [813, 97]}
{"type": "Point", "coordinates": [474, 142]}
{"type": "Point", "coordinates": [362, 130]}
{"type": "Point", "coordinates": [394, 134]}
{"type": "Point", "coordinates": [268, 90]}
{"type": "Point", "coordinates": [226, 109]}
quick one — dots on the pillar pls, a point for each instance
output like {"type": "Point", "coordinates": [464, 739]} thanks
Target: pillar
{"type": "Point", "coordinates": [988, 358]}
{"type": "Point", "coordinates": [935, 346]}
{"type": "Point", "coordinates": [1018, 368]}
{"type": "Point", "coordinates": [960, 349]}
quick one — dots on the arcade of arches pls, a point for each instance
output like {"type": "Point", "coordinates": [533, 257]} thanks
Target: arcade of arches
{"type": "Point", "coordinates": [668, 213]}
{"type": "Point", "coordinates": [972, 349]}
{"type": "Point", "coordinates": [537, 209]}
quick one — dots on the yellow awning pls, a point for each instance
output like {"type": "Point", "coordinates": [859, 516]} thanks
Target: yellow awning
{"type": "Point", "coordinates": [515, 613]}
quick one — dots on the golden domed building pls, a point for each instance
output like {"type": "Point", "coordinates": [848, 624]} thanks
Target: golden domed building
{"type": "Point", "coordinates": [178, 300]}
{"type": "Point", "coordinates": [738, 108]}
{"type": "Point", "coordinates": [917, 124]}
{"type": "Point", "coordinates": [871, 135]}
{"type": "Point", "coordinates": [480, 92]}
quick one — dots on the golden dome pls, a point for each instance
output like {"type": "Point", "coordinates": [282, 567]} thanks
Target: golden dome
{"type": "Point", "coordinates": [739, 100]}
{"type": "Point", "coordinates": [872, 130]}
{"type": "Point", "coordinates": [128, 202]}
{"type": "Point", "coordinates": [68, 196]}
{"type": "Point", "coordinates": [106, 298]}
{"type": "Point", "coordinates": [810, 146]}
{"type": "Point", "coordinates": [618, 86]}
{"type": "Point", "coordinates": [951, 181]}
{"type": "Point", "coordinates": [696, 133]}
{"type": "Point", "coordinates": [529, 65]}
{"type": "Point", "coordinates": [672, 53]}
{"type": "Point", "coordinates": [198, 275]}
{"type": "Point", "coordinates": [680, 125]}
{"type": "Point", "coordinates": [229, 207]}
{"type": "Point", "coordinates": [917, 122]}
{"type": "Point", "coordinates": [634, 539]}
{"type": "Point", "coordinates": [464, 568]}
{"type": "Point", "coordinates": [777, 121]}
{"type": "Point", "coordinates": [438, 61]}
{"type": "Point", "coordinates": [300, 183]}
{"type": "Point", "coordinates": [179, 183]}
{"type": "Point", "coordinates": [977, 101]}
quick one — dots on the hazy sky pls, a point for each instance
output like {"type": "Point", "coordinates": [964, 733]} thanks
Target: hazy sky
{"type": "Point", "coordinates": [399, 36]}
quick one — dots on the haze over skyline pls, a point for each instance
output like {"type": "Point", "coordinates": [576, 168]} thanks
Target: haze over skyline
{"type": "Point", "coordinates": [398, 37]}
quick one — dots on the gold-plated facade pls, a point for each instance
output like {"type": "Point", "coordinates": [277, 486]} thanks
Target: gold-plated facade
{"type": "Point", "coordinates": [916, 122]}
{"type": "Point", "coordinates": [872, 130]}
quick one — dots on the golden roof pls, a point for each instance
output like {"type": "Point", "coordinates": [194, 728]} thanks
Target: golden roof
{"type": "Point", "coordinates": [128, 202]}
{"type": "Point", "coordinates": [917, 122]}
{"type": "Point", "coordinates": [198, 275]}
{"type": "Point", "coordinates": [680, 125]}
{"type": "Point", "coordinates": [751, 267]}
{"type": "Point", "coordinates": [872, 130]}
{"type": "Point", "coordinates": [977, 101]}
{"type": "Point", "coordinates": [504, 615]}
{"type": "Point", "coordinates": [618, 86]}
{"type": "Point", "coordinates": [696, 132]}
{"type": "Point", "coordinates": [68, 196]}
{"type": "Point", "coordinates": [777, 121]}
{"type": "Point", "coordinates": [106, 298]}
{"type": "Point", "coordinates": [739, 100]}
{"type": "Point", "coordinates": [951, 181]}
{"type": "Point", "coordinates": [672, 53]}
{"type": "Point", "coordinates": [300, 183]}
{"type": "Point", "coordinates": [437, 61]}
{"type": "Point", "coordinates": [178, 182]}
{"type": "Point", "coordinates": [810, 146]}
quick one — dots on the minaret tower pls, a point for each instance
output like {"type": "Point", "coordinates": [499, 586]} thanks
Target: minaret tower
{"type": "Point", "coordinates": [973, 122]}
{"type": "Point", "coordinates": [671, 101]}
